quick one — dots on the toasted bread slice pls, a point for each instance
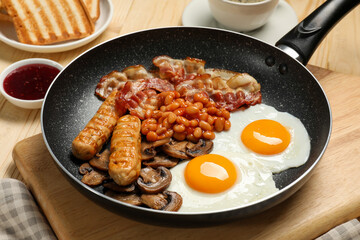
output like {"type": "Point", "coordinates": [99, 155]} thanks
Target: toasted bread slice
{"type": "Point", "coordinates": [93, 7]}
{"type": "Point", "coordinates": [49, 21]}
{"type": "Point", "coordinates": [4, 16]}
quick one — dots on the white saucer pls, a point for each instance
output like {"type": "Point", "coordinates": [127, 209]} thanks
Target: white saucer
{"type": "Point", "coordinates": [197, 13]}
{"type": "Point", "coordinates": [8, 34]}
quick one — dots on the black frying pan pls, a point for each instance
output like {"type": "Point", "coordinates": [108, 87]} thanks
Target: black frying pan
{"type": "Point", "coordinates": [286, 84]}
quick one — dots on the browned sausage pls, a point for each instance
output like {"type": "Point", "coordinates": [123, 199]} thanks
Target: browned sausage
{"type": "Point", "coordinates": [125, 157]}
{"type": "Point", "coordinates": [91, 139]}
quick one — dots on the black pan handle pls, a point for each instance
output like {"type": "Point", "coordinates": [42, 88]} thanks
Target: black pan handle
{"type": "Point", "coordinates": [308, 34]}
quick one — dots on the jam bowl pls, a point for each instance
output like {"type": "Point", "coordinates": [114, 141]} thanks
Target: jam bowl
{"type": "Point", "coordinates": [24, 83]}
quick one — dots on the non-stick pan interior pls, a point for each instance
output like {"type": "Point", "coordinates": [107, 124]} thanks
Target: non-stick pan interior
{"type": "Point", "coordinates": [285, 85]}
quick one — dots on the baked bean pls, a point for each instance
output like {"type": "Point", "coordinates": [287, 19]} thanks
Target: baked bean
{"type": "Point", "coordinates": [179, 128]}
{"type": "Point", "coordinates": [197, 132]}
{"type": "Point", "coordinates": [209, 135]}
{"type": "Point", "coordinates": [225, 114]}
{"type": "Point", "coordinates": [183, 121]}
{"type": "Point", "coordinates": [151, 136]}
{"type": "Point", "coordinates": [192, 138]}
{"type": "Point", "coordinates": [161, 130]}
{"type": "Point", "coordinates": [212, 110]}
{"type": "Point", "coordinates": [152, 126]}
{"type": "Point", "coordinates": [179, 111]}
{"type": "Point", "coordinates": [169, 133]}
{"type": "Point", "coordinates": [148, 113]}
{"type": "Point", "coordinates": [211, 120]}
{"type": "Point", "coordinates": [205, 125]}
{"type": "Point", "coordinates": [176, 94]}
{"type": "Point", "coordinates": [173, 106]}
{"type": "Point", "coordinates": [210, 104]}
{"type": "Point", "coordinates": [168, 99]}
{"type": "Point", "coordinates": [227, 125]}
{"type": "Point", "coordinates": [163, 108]}
{"type": "Point", "coordinates": [166, 123]}
{"type": "Point", "coordinates": [157, 114]}
{"type": "Point", "coordinates": [203, 116]}
{"type": "Point", "coordinates": [193, 123]}
{"type": "Point", "coordinates": [219, 124]}
{"type": "Point", "coordinates": [150, 120]}
{"type": "Point", "coordinates": [199, 105]}
{"type": "Point", "coordinates": [199, 97]}
{"type": "Point", "coordinates": [192, 110]}
{"type": "Point", "coordinates": [171, 117]}
{"type": "Point", "coordinates": [179, 136]}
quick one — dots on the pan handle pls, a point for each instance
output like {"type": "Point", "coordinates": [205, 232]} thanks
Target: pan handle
{"type": "Point", "coordinates": [303, 39]}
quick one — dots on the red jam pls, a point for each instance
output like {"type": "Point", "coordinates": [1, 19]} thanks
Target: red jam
{"type": "Point", "coordinates": [30, 82]}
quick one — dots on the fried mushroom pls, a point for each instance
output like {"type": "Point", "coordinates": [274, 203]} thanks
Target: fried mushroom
{"type": "Point", "coordinates": [176, 149]}
{"type": "Point", "coordinates": [130, 198]}
{"type": "Point", "coordinates": [101, 160]}
{"type": "Point", "coordinates": [154, 181]}
{"type": "Point", "coordinates": [94, 178]}
{"type": "Point", "coordinates": [200, 148]}
{"type": "Point", "coordinates": [148, 150]}
{"type": "Point", "coordinates": [167, 201]}
{"type": "Point", "coordinates": [161, 161]}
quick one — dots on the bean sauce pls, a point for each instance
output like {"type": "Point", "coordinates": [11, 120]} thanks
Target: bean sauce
{"type": "Point", "coordinates": [30, 82]}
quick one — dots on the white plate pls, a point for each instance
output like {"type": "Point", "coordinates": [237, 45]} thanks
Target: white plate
{"type": "Point", "coordinates": [8, 34]}
{"type": "Point", "coordinates": [197, 13]}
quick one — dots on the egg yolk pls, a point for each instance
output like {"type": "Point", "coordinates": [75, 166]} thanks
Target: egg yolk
{"type": "Point", "coordinates": [210, 173]}
{"type": "Point", "coordinates": [266, 137]}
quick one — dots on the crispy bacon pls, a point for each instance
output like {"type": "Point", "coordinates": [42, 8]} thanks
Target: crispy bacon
{"type": "Point", "coordinates": [139, 88]}
{"type": "Point", "coordinates": [137, 96]}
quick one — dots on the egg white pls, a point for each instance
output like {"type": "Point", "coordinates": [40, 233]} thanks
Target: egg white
{"type": "Point", "coordinates": [254, 182]}
{"type": "Point", "coordinates": [255, 170]}
{"type": "Point", "coordinates": [296, 153]}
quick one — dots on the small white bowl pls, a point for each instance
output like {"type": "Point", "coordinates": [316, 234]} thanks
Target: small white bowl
{"type": "Point", "coordinates": [242, 17]}
{"type": "Point", "coordinates": [29, 104]}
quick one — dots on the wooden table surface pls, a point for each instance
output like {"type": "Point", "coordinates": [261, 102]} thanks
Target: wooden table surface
{"type": "Point", "coordinates": [338, 52]}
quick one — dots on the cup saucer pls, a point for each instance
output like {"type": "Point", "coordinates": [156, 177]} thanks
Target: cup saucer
{"type": "Point", "coordinates": [197, 13]}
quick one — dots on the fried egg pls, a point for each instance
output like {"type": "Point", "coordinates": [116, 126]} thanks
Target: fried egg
{"type": "Point", "coordinates": [278, 140]}
{"type": "Point", "coordinates": [240, 168]}
{"type": "Point", "coordinates": [249, 181]}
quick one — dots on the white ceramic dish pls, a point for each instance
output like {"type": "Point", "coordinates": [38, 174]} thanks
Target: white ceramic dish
{"type": "Point", "coordinates": [29, 104]}
{"type": "Point", "coordinates": [8, 34]}
{"type": "Point", "coordinates": [240, 16]}
{"type": "Point", "coordinates": [281, 21]}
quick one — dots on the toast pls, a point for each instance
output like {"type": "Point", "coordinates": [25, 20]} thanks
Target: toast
{"type": "Point", "coordinates": [49, 21]}
{"type": "Point", "coordinates": [93, 7]}
{"type": "Point", "coordinates": [4, 16]}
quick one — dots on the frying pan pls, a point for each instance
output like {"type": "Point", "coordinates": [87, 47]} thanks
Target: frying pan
{"type": "Point", "coordinates": [286, 84]}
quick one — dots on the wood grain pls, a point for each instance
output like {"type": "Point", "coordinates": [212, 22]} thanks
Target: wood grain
{"type": "Point", "coordinates": [328, 199]}
{"type": "Point", "coordinates": [338, 52]}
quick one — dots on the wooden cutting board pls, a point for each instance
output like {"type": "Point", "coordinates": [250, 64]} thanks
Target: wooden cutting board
{"type": "Point", "coordinates": [329, 198]}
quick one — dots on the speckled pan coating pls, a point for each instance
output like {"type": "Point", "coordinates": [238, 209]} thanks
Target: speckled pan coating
{"type": "Point", "coordinates": [286, 85]}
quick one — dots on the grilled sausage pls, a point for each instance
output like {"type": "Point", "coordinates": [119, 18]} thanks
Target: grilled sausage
{"type": "Point", "coordinates": [91, 139]}
{"type": "Point", "coordinates": [125, 157]}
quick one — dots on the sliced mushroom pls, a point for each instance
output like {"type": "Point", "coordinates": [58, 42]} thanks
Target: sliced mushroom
{"type": "Point", "coordinates": [85, 168]}
{"type": "Point", "coordinates": [176, 149]}
{"type": "Point", "coordinates": [130, 198]}
{"type": "Point", "coordinates": [101, 160]}
{"type": "Point", "coordinates": [117, 188]}
{"type": "Point", "coordinates": [154, 181]}
{"type": "Point", "coordinates": [161, 161]}
{"type": "Point", "coordinates": [167, 201]}
{"type": "Point", "coordinates": [200, 148]}
{"type": "Point", "coordinates": [148, 148]}
{"type": "Point", "coordinates": [174, 201]}
{"type": "Point", "coordinates": [94, 178]}
{"type": "Point", "coordinates": [154, 201]}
